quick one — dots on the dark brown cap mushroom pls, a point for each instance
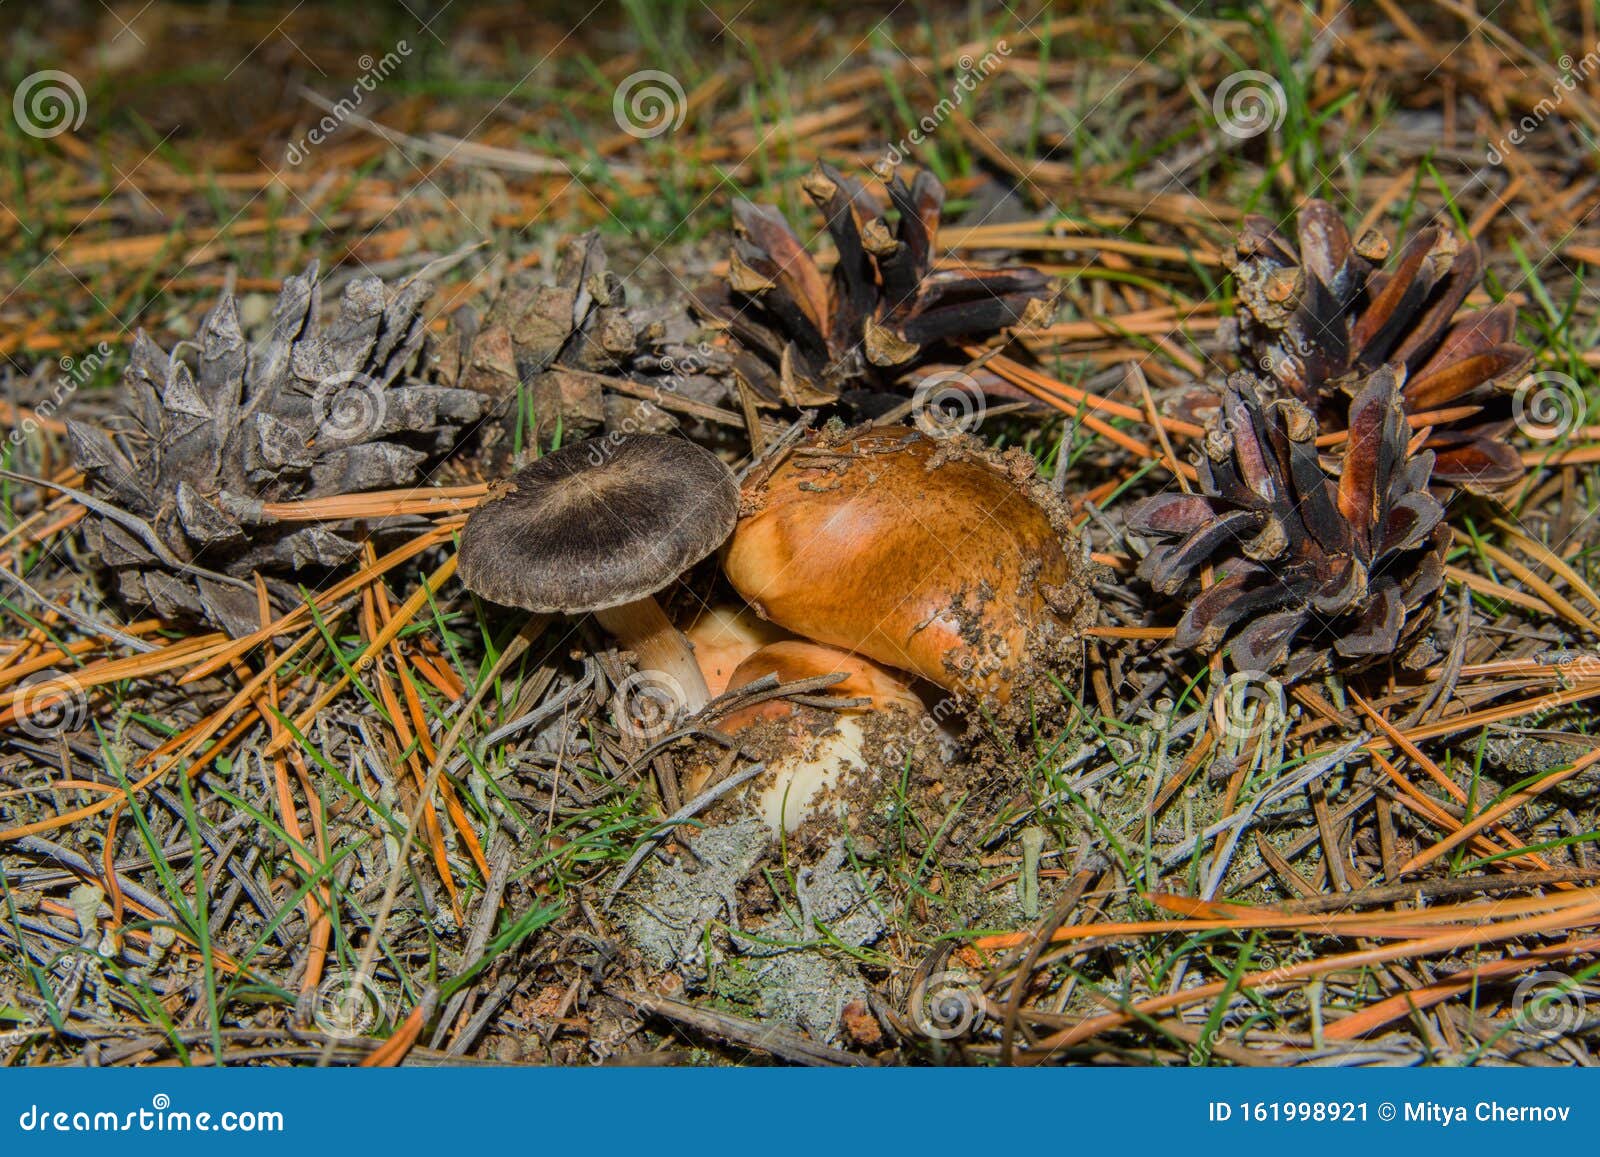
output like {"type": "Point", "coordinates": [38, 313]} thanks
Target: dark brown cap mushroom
{"type": "Point", "coordinates": [600, 527]}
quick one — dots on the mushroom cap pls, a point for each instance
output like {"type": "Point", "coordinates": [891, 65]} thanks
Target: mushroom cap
{"type": "Point", "coordinates": [598, 524]}
{"type": "Point", "coordinates": [923, 554]}
{"type": "Point", "coordinates": [794, 659]}
{"type": "Point", "coordinates": [725, 636]}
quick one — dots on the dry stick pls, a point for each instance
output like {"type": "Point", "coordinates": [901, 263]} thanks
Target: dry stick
{"type": "Point", "coordinates": [72, 862]}
{"type": "Point", "coordinates": [1543, 554]}
{"type": "Point", "coordinates": [1417, 802]}
{"type": "Point", "coordinates": [1041, 940]}
{"type": "Point", "coordinates": [1577, 694]}
{"type": "Point", "coordinates": [1190, 765]}
{"type": "Point", "coordinates": [687, 812]}
{"type": "Point", "coordinates": [1441, 888]}
{"type": "Point", "coordinates": [419, 719]}
{"type": "Point", "coordinates": [108, 848]}
{"type": "Point", "coordinates": [1374, 1016]}
{"type": "Point", "coordinates": [1434, 771]}
{"type": "Point", "coordinates": [1551, 559]}
{"type": "Point", "coordinates": [1197, 915]}
{"type": "Point", "coordinates": [318, 900]}
{"type": "Point", "coordinates": [1415, 421]}
{"type": "Point", "coordinates": [222, 959]}
{"type": "Point", "coordinates": [322, 930]}
{"type": "Point", "coordinates": [450, 150]}
{"type": "Point", "coordinates": [668, 400]}
{"type": "Point", "coordinates": [77, 618]}
{"type": "Point", "coordinates": [11, 669]}
{"type": "Point", "coordinates": [1132, 372]}
{"type": "Point", "coordinates": [1578, 456]}
{"type": "Point", "coordinates": [392, 1051]}
{"type": "Point", "coordinates": [1107, 431]}
{"type": "Point", "coordinates": [28, 645]}
{"type": "Point", "coordinates": [441, 500]}
{"type": "Point", "coordinates": [1544, 590]}
{"type": "Point", "coordinates": [1131, 632]}
{"type": "Point", "coordinates": [1158, 322]}
{"type": "Point", "coordinates": [1451, 941]}
{"type": "Point", "coordinates": [334, 594]}
{"type": "Point", "coordinates": [1285, 871]}
{"type": "Point", "coordinates": [178, 748]}
{"type": "Point", "coordinates": [146, 533]}
{"type": "Point", "coordinates": [133, 666]}
{"type": "Point", "coordinates": [1443, 685]}
{"type": "Point", "coordinates": [1483, 586]}
{"type": "Point", "coordinates": [1016, 237]}
{"type": "Point", "coordinates": [494, 888]}
{"type": "Point", "coordinates": [1018, 374]}
{"type": "Point", "coordinates": [779, 1042]}
{"type": "Point", "coordinates": [403, 740]}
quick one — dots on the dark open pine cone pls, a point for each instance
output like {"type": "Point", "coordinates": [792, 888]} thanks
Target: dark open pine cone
{"type": "Point", "coordinates": [1307, 567]}
{"type": "Point", "coordinates": [320, 406]}
{"type": "Point", "coordinates": [1321, 313]}
{"type": "Point", "coordinates": [811, 337]}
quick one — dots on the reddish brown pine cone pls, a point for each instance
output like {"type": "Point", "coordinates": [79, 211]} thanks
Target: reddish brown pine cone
{"type": "Point", "coordinates": [808, 336]}
{"type": "Point", "coordinates": [1320, 313]}
{"type": "Point", "coordinates": [1313, 573]}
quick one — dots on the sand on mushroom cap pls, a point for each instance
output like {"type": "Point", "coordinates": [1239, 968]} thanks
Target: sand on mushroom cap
{"type": "Point", "coordinates": [600, 527]}
{"type": "Point", "coordinates": [930, 555]}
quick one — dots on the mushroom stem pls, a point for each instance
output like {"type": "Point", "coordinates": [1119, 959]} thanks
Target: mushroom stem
{"type": "Point", "coordinates": [658, 645]}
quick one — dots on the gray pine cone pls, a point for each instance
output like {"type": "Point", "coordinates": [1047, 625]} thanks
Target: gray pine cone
{"type": "Point", "coordinates": [558, 341]}
{"type": "Point", "coordinates": [314, 408]}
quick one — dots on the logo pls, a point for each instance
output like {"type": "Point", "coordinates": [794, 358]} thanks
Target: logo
{"type": "Point", "coordinates": [1248, 104]}
{"type": "Point", "coordinates": [648, 103]}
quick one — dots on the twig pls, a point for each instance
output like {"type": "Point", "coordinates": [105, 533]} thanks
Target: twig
{"type": "Point", "coordinates": [143, 529]}
{"type": "Point", "coordinates": [78, 618]}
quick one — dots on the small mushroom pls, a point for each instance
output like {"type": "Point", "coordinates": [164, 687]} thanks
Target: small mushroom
{"type": "Point", "coordinates": [817, 748]}
{"type": "Point", "coordinates": [726, 635]}
{"type": "Point", "coordinates": [792, 660]}
{"type": "Point", "coordinates": [930, 555]}
{"type": "Point", "coordinates": [600, 527]}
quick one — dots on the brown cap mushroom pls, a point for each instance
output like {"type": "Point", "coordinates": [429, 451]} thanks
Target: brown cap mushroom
{"type": "Point", "coordinates": [600, 527]}
{"type": "Point", "coordinates": [820, 747]}
{"type": "Point", "coordinates": [792, 660]}
{"type": "Point", "coordinates": [934, 556]}
{"type": "Point", "coordinates": [726, 635]}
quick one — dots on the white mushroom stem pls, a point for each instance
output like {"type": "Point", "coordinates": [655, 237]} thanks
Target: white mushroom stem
{"type": "Point", "coordinates": [803, 781]}
{"type": "Point", "coordinates": [657, 646]}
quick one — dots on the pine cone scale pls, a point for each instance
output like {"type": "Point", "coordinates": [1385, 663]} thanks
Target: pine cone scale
{"type": "Point", "coordinates": [879, 311]}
